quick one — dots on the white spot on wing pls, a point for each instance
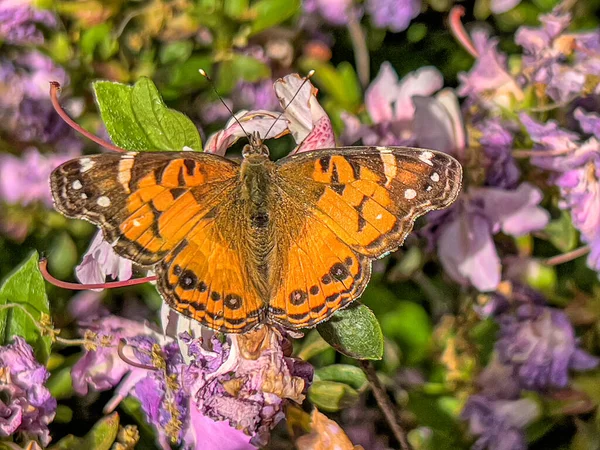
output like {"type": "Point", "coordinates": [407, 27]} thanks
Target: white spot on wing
{"type": "Point", "coordinates": [83, 196]}
{"type": "Point", "coordinates": [435, 177]}
{"type": "Point", "coordinates": [103, 201]}
{"type": "Point", "coordinates": [136, 223]}
{"type": "Point", "coordinates": [86, 164]}
{"type": "Point", "coordinates": [409, 194]}
{"type": "Point", "coordinates": [379, 216]}
{"type": "Point", "coordinates": [426, 157]}
{"type": "Point", "coordinates": [76, 185]}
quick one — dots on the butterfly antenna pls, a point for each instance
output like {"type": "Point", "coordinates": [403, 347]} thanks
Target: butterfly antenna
{"type": "Point", "coordinates": [306, 78]}
{"type": "Point", "coordinates": [212, 85]}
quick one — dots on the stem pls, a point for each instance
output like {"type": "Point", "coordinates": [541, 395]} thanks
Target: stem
{"type": "Point", "coordinates": [54, 88]}
{"type": "Point", "coordinates": [435, 296]}
{"type": "Point", "coordinates": [385, 404]}
{"type": "Point", "coordinates": [82, 287]}
{"type": "Point", "coordinates": [459, 32]}
{"type": "Point", "coordinates": [361, 52]}
{"type": "Point", "coordinates": [126, 359]}
{"type": "Point", "coordinates": [44, 329]}
{"type": "Point", "coordinates": [540, 153]}
{"type": "Point", "coordinates": [566, 257]}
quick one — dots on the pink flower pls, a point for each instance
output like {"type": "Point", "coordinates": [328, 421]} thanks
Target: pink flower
{"type": "Point", "coordinates": [389, 102]}
{"type": "Point", "coordinates": [101, 261]}
{"type": "Point", "coordinates": [303, 117]}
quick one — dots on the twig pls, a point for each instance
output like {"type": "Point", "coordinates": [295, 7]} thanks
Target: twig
{"type": "Point", "coordinates": [361, 52]}
{"type": "Point", "coordinates": [459, 32]}
{"type": "Point", "coordinates": [566, 257]}
{"type": "Point", "coordinates": [54, 88]}
{"type": "Point", "coordinates": [82, 287]}
{"type": "Point", "coordinates": [385, 404]}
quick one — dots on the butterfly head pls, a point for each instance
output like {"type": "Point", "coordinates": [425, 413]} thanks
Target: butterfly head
{"type": "Point", "coordinates": [255, 146]}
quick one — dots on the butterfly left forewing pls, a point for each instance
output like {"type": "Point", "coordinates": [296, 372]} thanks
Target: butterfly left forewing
{"type": "Point", "coordinates": [145, 203]}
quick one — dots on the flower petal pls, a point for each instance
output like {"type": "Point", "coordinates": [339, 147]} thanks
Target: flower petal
{"type": "Point", "coordinates": [307, 120]}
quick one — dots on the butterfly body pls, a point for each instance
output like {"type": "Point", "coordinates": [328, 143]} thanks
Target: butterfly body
{"type": "Point", "coordinates": [238, 244]}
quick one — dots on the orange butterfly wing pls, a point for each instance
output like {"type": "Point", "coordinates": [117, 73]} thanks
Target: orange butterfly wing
{"type": "Point", "coordinates": [168, 207]}
{"type": "Point", "coordinates": [344, 208]}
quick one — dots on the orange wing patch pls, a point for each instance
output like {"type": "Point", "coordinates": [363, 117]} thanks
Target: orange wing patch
{"type": "Point", "coordinates": [206, 279]}
{"type": "Point", "coordinates": [370, 197]}
{"type": "Point", "coordinates": [319, 274]}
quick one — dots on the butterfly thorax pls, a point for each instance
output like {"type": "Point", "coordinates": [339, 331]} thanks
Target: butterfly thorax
{"type": "Point", "coordinates": [258, 195]}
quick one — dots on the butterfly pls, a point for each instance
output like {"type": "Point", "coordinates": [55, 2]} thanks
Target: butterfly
{"type": "Point", "coordinates": [237, 244]}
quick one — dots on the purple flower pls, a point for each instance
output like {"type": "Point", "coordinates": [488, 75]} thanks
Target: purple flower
{"type": "Point", "coordinates": [499, 424]}
{"type": "Point", "coordinates": [580, 189]}
{"type": "Point", "coordinates": [19, 22]}
{"type": "Point", "coordinates": [25, 180]}
{"type": "Point", "coordinates": [540, 344]}
{"type": "Point", "coordinates": [259, 95]}
{"type": "Point", "coordinates": [561, 62]}
{"type": "Point", "coordinates": [335, 12]}
{"type": "Point", "coordinates": [246, 389]}
{"type": "Point", "coordinates": [393, 14]}
{"type": "Point", "coordinates": [26, 405]}
{"type": "Point", "coordinates": [578, 173]}
{"type": "Point", "coordinates": [489, 83]}
{"type": "Point", "coordinates": [100, 261]}
{"type": "Point", "coordinates": [389, 102]}
{"type": "Point", "coordinates": [102, 368]}
{"type": "Point", "coordinates": [26, 113]}
{"type": "Point", "coordinates": [448, 134]}
{"type": "Point", "coordinates": [464, 234]}
{"type": "Point", "coordinates": [497, 141]}
{"type": "Point", "coordinates": [236, 388]}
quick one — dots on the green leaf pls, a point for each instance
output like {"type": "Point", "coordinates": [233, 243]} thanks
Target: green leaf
{"type": "Point", "coordinates": [272, 12]}
{"type": "Point", "coordinates": [341, 83]}
{"type": "Point", "coordinates": [25, 287]}
{"type": "Point", "coordinates": [175, 52]}
{"type": "Point", "coordinates": [410, 326]}
{"type": "Point", "coordinates": [354, 332]}
{"type": "Point", "coordinates": [101, 436]}
{"type": "Point", "coordinates": [136, 118]}
{"type": "Point", "coordinates": [236, 8]}
{"type": "Point", "coordinates": [98, 37]}
{"type": "Point", "coordinates": [561, 233]}
{"type": "Point", "coordinates": [312, 345]}
{"type": "Point", "coordinates": [332, 396]}
{"type": "Point", "coordinates": [343, 373]}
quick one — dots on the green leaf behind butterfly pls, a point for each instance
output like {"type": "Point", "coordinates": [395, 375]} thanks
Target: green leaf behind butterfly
{"type": "Point", "coordinates": [101, 436]}
{"type": "Point", "coordinates": [25, 287]}
{"type": "Point", "coordinates": [332, 396]}
{"type": "Point", "coordinates": [343, 373]}
{"type": "Point", "coordinates": [354, 332]}
{"type": "Point", "coordinates": [268, 13]}
{"type": "Point", "coordinates": [137, 119]}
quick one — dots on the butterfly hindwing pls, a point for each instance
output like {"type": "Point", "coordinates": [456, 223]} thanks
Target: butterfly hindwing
{"type": "Point", "coordinates": [206, 278]}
